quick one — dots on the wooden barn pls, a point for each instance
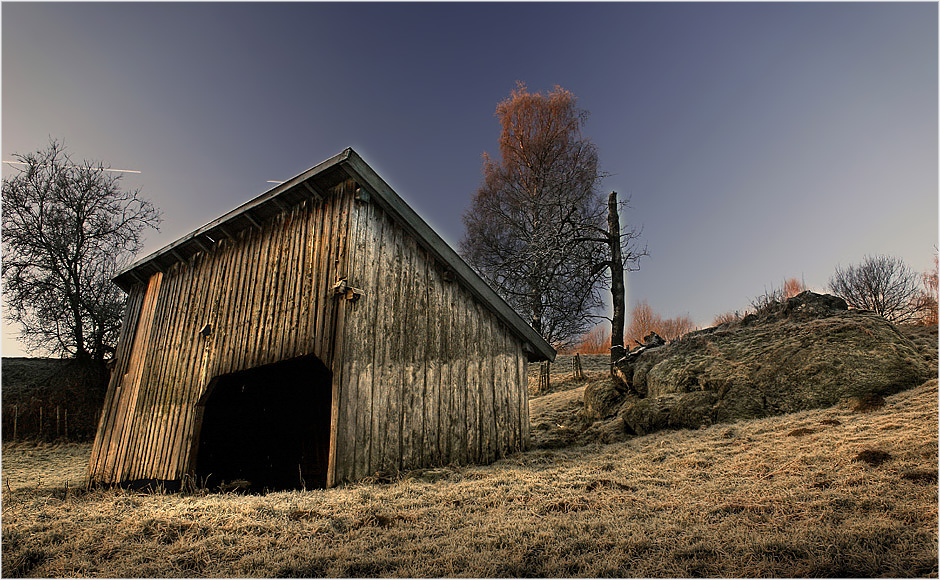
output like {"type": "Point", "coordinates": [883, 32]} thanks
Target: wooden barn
{"type": "Point", "coordinates": [319, 333]}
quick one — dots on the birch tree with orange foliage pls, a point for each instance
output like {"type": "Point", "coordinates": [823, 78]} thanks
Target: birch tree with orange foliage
{"type": "Point", "coordinates": [527, 225]}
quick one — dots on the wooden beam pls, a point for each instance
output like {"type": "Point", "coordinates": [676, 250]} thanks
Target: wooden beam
{"type": "Point", "coordinates": [281, 204]}
{"type": "Point", "coordinates": [201, 244]}
{"type": "Point", "coordinates": [314, 191]}
{"type": "Point", "coordinates": [252, 219]}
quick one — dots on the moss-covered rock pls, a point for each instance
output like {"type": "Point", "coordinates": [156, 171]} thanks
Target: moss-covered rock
{"type": "Point", "coordinates": [807, 352]}
{"type": "Point", "coordinates": [602, 399]}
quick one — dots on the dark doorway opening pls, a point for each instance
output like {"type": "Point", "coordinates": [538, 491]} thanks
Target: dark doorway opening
{"type": "Point", "coordinates": [266, 428]}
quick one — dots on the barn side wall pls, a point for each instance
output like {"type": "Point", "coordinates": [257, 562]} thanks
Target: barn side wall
{"type": "Point", "coordinates": [267, 296]}
{"type": "Point", "coordinates": [429, 375]}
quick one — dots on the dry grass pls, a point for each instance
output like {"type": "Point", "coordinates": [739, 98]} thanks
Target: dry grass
{"type": "Point", "coordinates": [742, 499]}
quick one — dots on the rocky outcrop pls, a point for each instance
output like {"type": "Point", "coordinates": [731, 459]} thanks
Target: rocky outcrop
{"type": "Point", "coordinates": [807, 352]}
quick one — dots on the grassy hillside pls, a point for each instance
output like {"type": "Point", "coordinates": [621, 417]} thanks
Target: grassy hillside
{"type": "Point", "coordinates": [831, 492]}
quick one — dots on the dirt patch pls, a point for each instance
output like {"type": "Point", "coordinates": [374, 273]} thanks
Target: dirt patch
{"type": "Point", "coordinates": [873, 457]}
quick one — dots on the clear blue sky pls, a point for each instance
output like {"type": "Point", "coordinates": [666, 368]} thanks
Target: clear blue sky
{"type": "Point", "coordinates": [758, 141]}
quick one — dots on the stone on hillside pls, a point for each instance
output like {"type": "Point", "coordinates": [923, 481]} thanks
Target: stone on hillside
{"type": "Point", "coordinates": [805, 353]}
{"type": "Point", "coordinates": [602, 399]}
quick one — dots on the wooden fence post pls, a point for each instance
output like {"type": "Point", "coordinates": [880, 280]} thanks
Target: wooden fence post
{"type": "Point", "coordinates": [58, 423]}
{"type": "Point", "coordinates": [40, 421]}
{"type": "Point", "coordinates": [66, 423]}
{"type": "Point", "coordinates": [16, 416]}
{"type": "Point", "coordinates": [544, 373]}
{"type": "Point", "coordinates": [578, 373]}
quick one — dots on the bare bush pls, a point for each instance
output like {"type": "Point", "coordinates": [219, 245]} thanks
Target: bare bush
{"type": "Point", "coordinates": [788, 289]}
{"type": "Point", "coordinates": [727, 317]}
{"type": "Point", "coordinates": [644, 320]}
{"type": "Point", "coordinates": [928, 300]}
{"type": "Point", "coordinates": [595, 341]}
{"type": "Point", "coordinates": [882, 284]}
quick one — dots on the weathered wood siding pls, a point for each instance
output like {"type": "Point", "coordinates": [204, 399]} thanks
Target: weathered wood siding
{"type": "Point", "coordinates": [267, 294]}
{"type": "Point", "coordinates": [428, 375]}
{"type": "Point", "coordinates": [423, 373]}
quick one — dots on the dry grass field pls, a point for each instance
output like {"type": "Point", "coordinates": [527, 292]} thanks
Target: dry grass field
{"type": "Point", "coordinates": [833, 492]}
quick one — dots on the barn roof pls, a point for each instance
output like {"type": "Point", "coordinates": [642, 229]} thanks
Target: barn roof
{"type": "Point", "coordinates": [313, 183]}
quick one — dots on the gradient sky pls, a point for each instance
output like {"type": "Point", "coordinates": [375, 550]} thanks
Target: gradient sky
{"type": "Point", "coordinates": [758, 141]}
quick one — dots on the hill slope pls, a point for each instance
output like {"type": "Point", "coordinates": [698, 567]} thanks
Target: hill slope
{"type": "Point", "coordinates": [828, 492]}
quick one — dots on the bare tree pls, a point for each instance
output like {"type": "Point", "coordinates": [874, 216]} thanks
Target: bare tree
{"type": "Point", "coordinates": [67, 227]}
{"type": "Point", "coordinates": [526, 225]}
{"type": "Point", "coordinates": [883, 284]}
{"type": "Point", "coordinates": [623, 256]}
{"type": "Point", "coordinates": [643, 320]}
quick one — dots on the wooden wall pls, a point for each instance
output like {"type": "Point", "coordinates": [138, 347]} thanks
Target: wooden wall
{"type": "Point", "coordinates": [423, 373]}
{"type": "Point", "coordinates": [429, 375]}
{"type": "Point", "coordinates": [266, 294]}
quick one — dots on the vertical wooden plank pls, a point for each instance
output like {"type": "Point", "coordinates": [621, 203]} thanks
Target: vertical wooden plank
{"type": "Point", "coordinates": [435, 324]}
{"type": "Point", "coordinates": [459, 386]}
{"type": "Point", "coordinates": [287, 327]}
{"type": "Point", "coordinates": [274, 298]}
{"type": "Point", "coordinates": [383, 300]}
{"type": "Point", "coordinates": [369, 341]}
{"type": "Point", "coordinates": [487, 415]}
{"type": "Point", "coordinates": [312, 209]}
{"type": "Point", "coordinates": [335, 330]}
{"type": "Point", "coordinates": [394, 359]}
{"type": "Point", "coordinates": [473, 385]}
{"type": "Point", "coordinates": [407, 312]}
{"type": "Point", "coordinates": [326, 278]}
{"type": "Point", "coordinates": [346, 352]}
{"type": "Point", "coordinates": [422, 458]}
{"type": "Point", "coordinates": [524, 392]}
{"type": "Point", "coordinates": [299, 314]}
{"type": "Point", "coordinates": [321, 243]}
{"type": "Point", "coordinates": [503, 384]}
{"type": "Point", "coordinates": [512, 402]}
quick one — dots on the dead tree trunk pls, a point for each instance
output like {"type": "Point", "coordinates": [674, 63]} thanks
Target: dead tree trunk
{"type": "Point", "coordinates": [617, 292]}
